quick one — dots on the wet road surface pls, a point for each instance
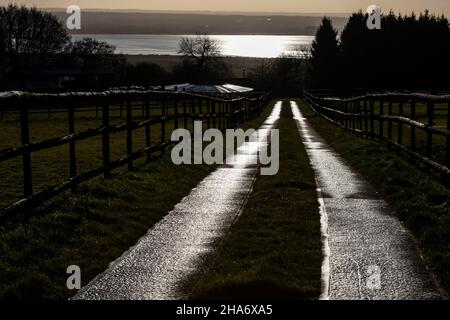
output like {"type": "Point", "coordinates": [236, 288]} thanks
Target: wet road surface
{"type": "Point", "coordinates": [368, 254]}
{"type": "Point", "coordinates": [176, 248]}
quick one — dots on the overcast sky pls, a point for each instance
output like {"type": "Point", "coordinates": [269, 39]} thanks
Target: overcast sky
{"type": "Point", "coordinates": [301, 6]}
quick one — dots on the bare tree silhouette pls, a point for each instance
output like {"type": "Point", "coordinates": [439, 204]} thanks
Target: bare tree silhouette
{"type": "Point", "coordinates": [201, 49]}
{"type": "Point", "coordinates": [28, 36]}
{"type": "Point", "coordinates": [202, 60]}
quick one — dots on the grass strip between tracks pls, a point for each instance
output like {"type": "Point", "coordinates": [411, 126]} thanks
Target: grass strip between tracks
{"type": "Point", "coordinates": [274, 249]}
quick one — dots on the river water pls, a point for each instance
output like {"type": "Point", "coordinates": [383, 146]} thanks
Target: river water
{"type": "Point", "coordinates": [261, 46]}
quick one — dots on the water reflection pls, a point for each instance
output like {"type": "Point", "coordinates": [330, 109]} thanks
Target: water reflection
{"type": "Point", "coordinates": [263, 46]}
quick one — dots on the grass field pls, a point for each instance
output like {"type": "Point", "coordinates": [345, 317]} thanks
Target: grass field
{"type": "Point", "coordinates": [440, 122]}
{"type": "Point", "coordinates": [274, 250]}
{"type": "Point", "coordinates": [51, 166]}
{"type": "Point", "coordinates": [92, 227]}
{"type": "Point", "coordinates": [439, 143]}
{"type": "Point", "coordinates": [420, 201]}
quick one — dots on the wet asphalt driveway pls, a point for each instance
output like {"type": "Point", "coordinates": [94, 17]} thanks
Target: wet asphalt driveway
{"type": "Point", "coordinates": [163, 263]}
{"type": "Point", "coordinates": [368, 253]}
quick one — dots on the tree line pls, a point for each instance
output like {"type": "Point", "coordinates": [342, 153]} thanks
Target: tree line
{"type": "Point", "coordinates": [31, 38]}
{"type": "Point", "coordinates": [408, 52]}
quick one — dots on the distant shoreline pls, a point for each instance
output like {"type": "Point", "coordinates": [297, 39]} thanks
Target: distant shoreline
{"type": "Point", "coordinates": [213, 13]}
{"type": "Point", "coordinates": [72, 33]}
{"type": "Point", "coordinates": [150, 23]}
{"type": "Point", "coordinates": [269, 46]}
{"type": "Point", "coordinates": [136, 58]}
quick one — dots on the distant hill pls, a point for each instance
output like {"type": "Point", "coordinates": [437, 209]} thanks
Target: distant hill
{"type": "Point", "coordinates": [110, 22]}
{"type": "Point", "coordinates": [226, 13]}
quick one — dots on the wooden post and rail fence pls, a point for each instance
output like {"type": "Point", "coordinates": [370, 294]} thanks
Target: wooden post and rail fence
{"type": "Point", "coordinates": [181, 108]}
{"type": "Point", "coordinates": [415, 123]}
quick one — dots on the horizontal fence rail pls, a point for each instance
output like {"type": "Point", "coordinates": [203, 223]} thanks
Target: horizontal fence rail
{"type": "Point", "coordinates": [415, 123]}
{"type": "Point", "coordinates": [179, 108]}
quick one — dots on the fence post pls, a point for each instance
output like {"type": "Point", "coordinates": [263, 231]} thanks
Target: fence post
{"type": "Point", "coordinates": [184, 112]}
{"type": "Point", "coordinates": [246, 110]}
{"type": "Point", "coordinates": [346, 114]}
{"type": "Point", "coordinates": [213, 111]}
{"type": "Point", "coordinates": [200, 110]}
{"type": "Point", "coordinates": [234, 116]}
{"type": "Point", "coordinates": [238, 108]}
{"type": "Point", "coordinates": [448, 138]}
{"type": "Point", "coordinates": [72, 152]}
{"type": "Point", "coordinates": [208, 114]}
{"type": "Point", "coordinates": [400, 124]}
{"type": "Point", "coordinates": [349, 110]}
{"type": "Point", "coordinates": [208, 111]}
{"type": "Point", "coordinates": [148, 139]}
{"type": "Point", "coordinates": [163, 119]}
{"type": "Point", "coordinates": [358, 106]}
{"type": "Point", "coordinates": [26, 156]}
{"type": "Point", "coordinates": [381, 119]}
{"type": "Point", "coordinates": [176, 111]}
{"type": "Point", "coordinates": [106, 140]}
{"type": "Point", "coordinates": [238, 114]}
{"type": "Point", "coordinates": [366, 120]}
{"type": "Point", "coordinates": [354, 115]}
{"type": "Point", "coordinates": [390, 120]}
{"type": "Point", "coordinates": [221, 116]}
{"type": "Point", "coordinates": [229, 116]}
{"type": "Point", "coordinates": [372, 122]}
{"type": "Point", "coordinates": [193, 112]}
{"type": "Point", "coordinates": [430, 124]}
{"type": "Point", "coordinates": [413, 129]}
{"type": "Point", "coordinates": [241, 112]}
{"type": "Point", "coordinates": [345, 110]}
{"type": "Point", "coordinates": [129, 132]}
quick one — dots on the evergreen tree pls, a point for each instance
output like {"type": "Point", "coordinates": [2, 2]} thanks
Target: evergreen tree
{"type": "Point", "coordinates": [409, 52]}
{"type": "Point", "coordinates": [324, 56]}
